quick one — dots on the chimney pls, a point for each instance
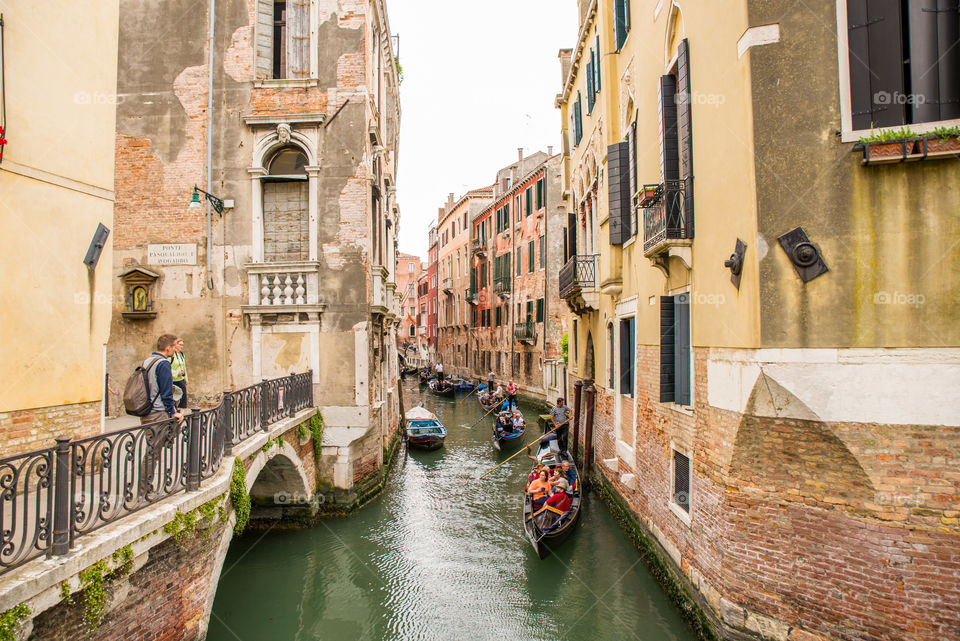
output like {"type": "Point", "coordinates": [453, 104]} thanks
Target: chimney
{"type": "Point", "coordinates": [566, 56]}
{"type": "Point", "coordinates": [549, 151]}
{"type": "Point", "coordinates": [449, 200]}
{"type": "Point", "coordinates": [519, 154]}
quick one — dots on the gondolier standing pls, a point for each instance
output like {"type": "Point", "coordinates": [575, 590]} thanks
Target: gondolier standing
{"type": "Point", "coordinates": [560, 414]}
{"type": "Point", "coordinates": [490, 377]}
{"type": "Point", "coordinates": [438, 368]}
{"type": "Point", "coordinates": [512, 393]}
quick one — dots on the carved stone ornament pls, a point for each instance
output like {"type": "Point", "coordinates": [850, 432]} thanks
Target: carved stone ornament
{"type": "Point", "coordinates": [283, 132]}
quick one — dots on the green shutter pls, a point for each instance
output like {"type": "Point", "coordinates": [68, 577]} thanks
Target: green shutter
{"type": "Point", "coordinates": [529, 317]}
{"type": "Point", "coordinates": [539, 310]}
{"type": "Point", "coordinates": [531, 257]}
{"type": "Point", "coordinates": [597, 70]}
{"type": "Point", "coordinates": [529, 199]}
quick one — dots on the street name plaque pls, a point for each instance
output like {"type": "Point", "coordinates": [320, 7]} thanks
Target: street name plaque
{"type": "Point", "coordinates": [172, 254]}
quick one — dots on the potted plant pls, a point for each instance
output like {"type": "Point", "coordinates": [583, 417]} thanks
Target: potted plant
{"type": "Point", "coordinates": [890, 145]}
{"type": "Point", "coordinates": [648, 194]}
{"type": "Point", "coordinates": [944, 141]}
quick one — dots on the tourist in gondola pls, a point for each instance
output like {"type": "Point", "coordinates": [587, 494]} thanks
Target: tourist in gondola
{"type": "Point", "coordinates": [569, 473]}
{"type": "Point", "coordinates": [537, 490]}
{"type": "Point", "coordinates": [559, 499]}
{"type": "Point", "coordinates": [518, 421]}
{"type": "Point", "coordinates": [560, 416]}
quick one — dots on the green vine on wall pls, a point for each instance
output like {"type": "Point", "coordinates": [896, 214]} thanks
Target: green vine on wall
{"type": "Point", "coordinates": [198, 522]}
{"type": "Point", "coordinates": [316, 430]}
{"type": "Point", "coordinates": [564, 347]}
{"type": "Point", "coordinates": [239, 497]}
{"type": "Point", "coordinates": [94, 583]}
{"type": "Point", "coordinates": [11, 620]}
{"type": "Point", "coordinates": [302, 431]}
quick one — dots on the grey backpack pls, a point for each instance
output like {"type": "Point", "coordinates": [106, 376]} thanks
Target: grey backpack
{"type": "Point", "coordinates": [136, 393]}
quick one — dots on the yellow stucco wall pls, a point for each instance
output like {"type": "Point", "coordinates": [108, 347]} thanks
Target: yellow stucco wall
{"type": "Point", "coordinates": [56, 182]}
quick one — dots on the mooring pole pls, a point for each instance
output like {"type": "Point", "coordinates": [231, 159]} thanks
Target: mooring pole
{"type": "Point", "coordinates": [591, 392]}
{"type": "Point", "coordinates": [577, 391]}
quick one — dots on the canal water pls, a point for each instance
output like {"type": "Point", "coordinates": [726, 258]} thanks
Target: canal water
{"type": "Point", "coordinates": [442, 556]}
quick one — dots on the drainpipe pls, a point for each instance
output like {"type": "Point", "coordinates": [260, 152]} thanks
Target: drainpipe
{"type": "Point", "coordinates": [213, 16]}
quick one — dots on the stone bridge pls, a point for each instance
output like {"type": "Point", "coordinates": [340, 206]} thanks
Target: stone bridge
{"type": "Point", "coordinates": [158, 567]}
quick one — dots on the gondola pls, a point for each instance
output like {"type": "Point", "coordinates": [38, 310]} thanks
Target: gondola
{"type": "Point", "coordinates": [462, 384]}
{"type": "Point", "coordinates": [546, 529]}
{"type": "Point", "coordinates": [505, 433]}
{"type": "Point", "coordinates": [425, 376]}
{"type": "Point", "coordinates": [406, 371]}
{"type": "Point", "coordinates": [488, 405]}
{"type": "Point", "coordinates": [424, 430]}
{"type": "Point", "coordinates": [442, 388]}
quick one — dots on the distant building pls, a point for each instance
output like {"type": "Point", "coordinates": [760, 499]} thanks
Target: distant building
{"type": "Point", "coordinates": [428, 299]}
{"type": "Point", "coordinates": [453, 269]}
{"type": "Point", "coordinates": [56, 188]}
{"type": "Point", "coordinates": [408, 272]}
{"type": "Point", "coordinates": [516, 254]}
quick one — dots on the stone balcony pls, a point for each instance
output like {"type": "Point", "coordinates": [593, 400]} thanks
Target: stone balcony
{"type": "Point", "coordinates": [379, 300]}
{"type": "Point", "coordinates": [283, 292]}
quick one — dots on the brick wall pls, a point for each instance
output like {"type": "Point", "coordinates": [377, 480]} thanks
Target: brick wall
{"type": "Point", "coordinates": [33, 429]}
{"type": "Point", "coordinates": [164, 600]}
{"type": "Point", "coordinates": [798, 527]}
{"type": "Point", "coordinates": [285, 222]}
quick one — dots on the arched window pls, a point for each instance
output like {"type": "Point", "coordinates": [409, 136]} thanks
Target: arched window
{"type": "Point", "coordinates": [286, 232]}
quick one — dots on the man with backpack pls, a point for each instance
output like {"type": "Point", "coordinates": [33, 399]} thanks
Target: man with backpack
{"type": "Point", "coordinates": [160, 382]}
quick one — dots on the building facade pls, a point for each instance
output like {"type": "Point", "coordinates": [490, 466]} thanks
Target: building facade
{"type": "Point", "coordinates": [427, 288]}
{"type": "Point", "coordinates": [762, 301]}
{"type": "Point", "coordinates": [408, 272]}
{"type": "Point", "coordinates": [453, 269]}
{"type": "Point", "coordinates": [292, 119]}
{"type": "Point", "coordinates": [517, 318]}
{"type": "Point", "coordinates": [57, 219]}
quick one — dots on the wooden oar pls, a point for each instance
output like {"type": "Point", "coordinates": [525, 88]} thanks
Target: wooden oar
{"type": "Point", "coordinates": [487, 414]}
{"type": "Point", "coordinates": [471, 392]}
{"type": "Point", "coordinates": [525, 447]}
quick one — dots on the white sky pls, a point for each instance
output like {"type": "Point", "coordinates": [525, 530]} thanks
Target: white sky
{"type": "Point", "coordinates": [480, 78]}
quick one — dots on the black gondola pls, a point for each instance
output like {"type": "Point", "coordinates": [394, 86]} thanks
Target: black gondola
{"type": "Point", "coordinates": [425, 376]}
{"type": "Point", "coordinates": [442, 388]}
{"type": "Point", "coordinates": [546, 529]}
{"type": "Point", "coordinates": [505, 433]}
{"type": "Point", "coordinates": [488, 404]}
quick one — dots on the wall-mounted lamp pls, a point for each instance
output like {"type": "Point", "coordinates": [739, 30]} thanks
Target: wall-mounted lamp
{"type": "Point", "coordinates": [735, 263]}
{"type": "Point", "coordinates": [215, 202]}
{"type": "Point", "coordinates": [96, 246]}
{"type": "Point", "coordinates": [804, 255]}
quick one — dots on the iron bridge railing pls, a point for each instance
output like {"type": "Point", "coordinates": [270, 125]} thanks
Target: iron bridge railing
{"type": "Point", "coordinates": [580, 272]}
{"type": "Point", "coordinates": [51, 497]}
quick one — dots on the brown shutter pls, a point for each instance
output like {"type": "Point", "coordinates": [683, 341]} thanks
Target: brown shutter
{"type": "Point", "coordinates": [685, 134]}
{"type": "Point", "coordinates": [876, 63]}
{"type": "Point", "coordinates": [298, 39]}
{"type": "Point", "coordinates": [618, 187]}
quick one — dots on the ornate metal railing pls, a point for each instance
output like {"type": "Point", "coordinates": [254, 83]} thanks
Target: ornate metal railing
{"type": "Point", "coordinates": [502, 285]}
{"type": "Point", "coordinates": [525, 331]}
{"type": "Point", "coordinates": [51, 497]}
{"type": "Point", "coordinates": [664, 214]}
{"type": "Point", "coordinates": [579, 273]}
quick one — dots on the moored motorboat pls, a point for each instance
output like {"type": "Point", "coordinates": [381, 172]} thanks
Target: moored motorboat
{"type": "Point", "coordinates": [424, 429]}
{"type": "Point", "coordinates": [546, 527]}
{"type": "Point", "coordinates": [505, 431]}
{"type": "Point", "coordinates": [442, 388]}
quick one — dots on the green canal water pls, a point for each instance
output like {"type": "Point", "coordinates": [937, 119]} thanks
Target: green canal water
{"type": "Point", "coordinates": [442, 556]}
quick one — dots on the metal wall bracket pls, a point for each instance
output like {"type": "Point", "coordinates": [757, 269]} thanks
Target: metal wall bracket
{"type": "Point", "coordinates": [803, 254]}
{"type": "Point", "coordinates": [735, 263]}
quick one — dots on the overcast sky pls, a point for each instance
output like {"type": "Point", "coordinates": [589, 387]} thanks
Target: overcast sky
{"type": "Point", "coordinates": [479, 80]}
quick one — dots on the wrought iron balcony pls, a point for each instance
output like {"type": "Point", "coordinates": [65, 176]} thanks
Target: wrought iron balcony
{"type": "Point", "coordinates": [525, 332]}
{"type": "Point", "coordinates": [502, 286]}
{"type": "Point", "coordinates": [664, 216]}
{"type": "Point", "coordinates": [579, 273]}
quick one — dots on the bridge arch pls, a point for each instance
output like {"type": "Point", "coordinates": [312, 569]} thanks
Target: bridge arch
{"type": "Point", "coordinates": [277, 478]}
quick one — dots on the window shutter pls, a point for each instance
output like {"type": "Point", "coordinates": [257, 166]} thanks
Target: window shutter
{"type": "Point", "coordinates": [685, 133]}
{"type": "Point", "coordinates": [473, 278]}
{"type": "Point", "coordinates": [543, 252]}
{"type": "Point", "coordinates": [934, 55]}
{"type": "Point", "coordinates": [597, 66]}
{"type": "Point", "coordinates": [531, 257]}
{"type": "Point", "coordinates": [539, 310]}
{"type": "Point", "coordinates": [298, 39]}
{"type": "Point", "coordinates": [626, 356]}
{"type": "Point", "coordinates": [666, 349]}
{"type": "Point", "coordinates": [876, 62]}
{"type": "Point", "coordinates": [620, 21]}
{"type": "Point", "coordinates": [529, 316]}
{"type": "Point", "coordinates": [571, 235]}
{"type": "Point", "coordinates": [681, 352]}
{"type": "Point", "coordinates": [681, 480]}
{"type": "Point", "coordinates": [529, 203]}
{"type": "Point", "coordinates": [669, 150]}
{"type": "Point", "coordinates": [618, 192]}
{"type": "Point", "coordinates": [264, 43]}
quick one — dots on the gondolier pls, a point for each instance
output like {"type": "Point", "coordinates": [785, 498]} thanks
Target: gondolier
{"type": "Point", "coordinates": [560, 414]}
{"type": "Point", "coordinates": [438, 368]}
{"type": "Point", "coordinates": [490, 377]}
